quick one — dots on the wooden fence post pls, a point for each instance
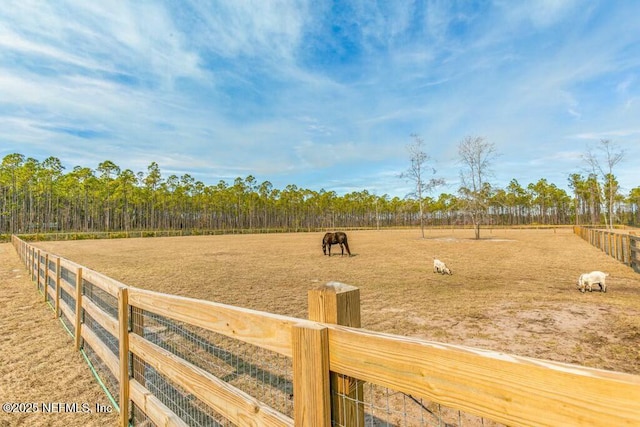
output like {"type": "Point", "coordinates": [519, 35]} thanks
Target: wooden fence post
{"type": "Point", "coordinates": [626, 245]}
{"type": "Point", "coordinates": [37, 274]}
{"type": "Point", "coordinates": [78, 325]}
{"type": "Point", "coordinates": [58, 276]}
{"type": "Point", "coordinates": [34, 253]}
{"type": "Point", "coordinates": [619, 255]}
{"type": "Point", "coordinates": [633, 248]}
{"type": "Point", "coordinates": [611, 251]}
{"type": "Point", "coordinates": [46, 276]}
{"type": "Point", "coordinates": [339, 304]}
{"type": "Point", "coordinates": [311, 390]}
{"type": "Point", "coordinates": [123, 344]}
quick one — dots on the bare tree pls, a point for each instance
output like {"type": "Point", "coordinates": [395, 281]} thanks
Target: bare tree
{"type": "Point", "coordinates": [604, 170]}
{"type": "Point", "coordinates": [476, 156]}
{"type": "Point", "coordinates": [417, 173]}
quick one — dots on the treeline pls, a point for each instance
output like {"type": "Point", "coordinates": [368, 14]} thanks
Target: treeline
{"type": "Point", "coordinates": [39, 197]}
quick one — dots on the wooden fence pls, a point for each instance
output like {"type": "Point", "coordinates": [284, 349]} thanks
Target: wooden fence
{"type": "Point", "coordinates": [328, 352]}
{"type": "Point", "coordinates": [625, 247]}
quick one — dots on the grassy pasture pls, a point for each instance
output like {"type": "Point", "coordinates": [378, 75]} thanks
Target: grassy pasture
{"type": "Point", "coordinates": [512, 291]}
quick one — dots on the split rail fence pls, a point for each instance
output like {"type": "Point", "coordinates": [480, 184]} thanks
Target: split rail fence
{"type": "Point", "coordinates": [625, 247]}
{"type": "Point", "coordinates": [175, 361]}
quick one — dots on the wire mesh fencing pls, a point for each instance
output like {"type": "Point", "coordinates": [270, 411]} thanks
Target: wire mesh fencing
{"type": "Point", "coordinates": [42, 271]}
{"type": "Point", "coordinates": [260, 373]}
{"type": "Point", "coordinates": [70, 278]}
{"type": "Point", "coordinates": [176, 354]}
{"type": "Point", "coordinates": [51, 277]}
{"type": "Point", "coordinates": [109, 305]}
{"type": "Point", "coordinates": [377, 406]}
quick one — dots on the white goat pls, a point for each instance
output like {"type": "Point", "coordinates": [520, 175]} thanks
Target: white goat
{"type": "Point", "coordinates": [440, 267]}
{"type": "Point", "coordinates": [587, 280]}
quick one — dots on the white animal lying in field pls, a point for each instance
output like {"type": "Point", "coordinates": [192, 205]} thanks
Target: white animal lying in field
{"type": "Point", "coordinates": [440, 267]}
{"type": "Point", "coordinates": [587, 280]}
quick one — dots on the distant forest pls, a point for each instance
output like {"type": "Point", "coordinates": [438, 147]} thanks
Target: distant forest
{"type": "Point", "coordinates": [40, 197]}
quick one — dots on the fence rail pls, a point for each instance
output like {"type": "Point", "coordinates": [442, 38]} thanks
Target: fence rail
{"type": "Point", "coordinates": [625, 247]}
{"type": "Point", "coordinates": [176, 361]}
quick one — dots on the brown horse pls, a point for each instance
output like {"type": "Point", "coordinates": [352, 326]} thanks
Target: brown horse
{"type": "Point", "coordinates": [337, 238]}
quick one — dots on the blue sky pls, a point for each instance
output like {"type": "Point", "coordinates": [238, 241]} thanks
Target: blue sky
{"type": "Point", "coordinates": [321, 94]}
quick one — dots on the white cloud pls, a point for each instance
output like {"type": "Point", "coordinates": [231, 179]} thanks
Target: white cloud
{"type": "Point", "coordinates": [253, 87]}
{"type": "Point", "coordinates": [540, 14]}
{"type": "Point", "coordinates": [607, 134]}
{"type": "Point", "coordinates": [248, 29]}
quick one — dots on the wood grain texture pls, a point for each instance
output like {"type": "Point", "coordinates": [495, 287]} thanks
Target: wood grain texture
{"type": "Point", "coordinates": [78, 320]}
{"type": "Point", "coordinates": [338, 303]}
{"type": "Point", "coordinates": [123, 356]}
{"type": "Point", "coordinates": [102, 317]}
{"type": "Point", "coordinates": [66, 310]}
{"type": "Point", "coordinates": [57, 296]}
{"type": "Point", "coordinates": [311, 390]}
{"type": "Point", "coordinates": [265, 330]}
{"type": "Point", "coordinates": [508, 389]}
{"type": "Point", "coordinates": [153, 408]}
{"type": "Point", "coordinates": [105, 283]}
{"type": "Point", "coordinates": [230, 402]}
{"type": "Point", "coordinates": [103, 352]}
{"type": "Point", "coordinates": [68, 287]}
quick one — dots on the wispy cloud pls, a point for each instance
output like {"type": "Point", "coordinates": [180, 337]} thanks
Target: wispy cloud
{"type": "Point", "coordinates": [318, 94]}
{"type": "Point", "coordinates": [617, 133]}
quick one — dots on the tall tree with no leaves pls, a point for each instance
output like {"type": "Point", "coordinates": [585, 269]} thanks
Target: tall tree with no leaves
{"type": "Point", "coordinates": [476, 155]}
{"type": "Point", "coordinates": [418, 172]}
{"type": "Point", "coordinates": [604, 170]}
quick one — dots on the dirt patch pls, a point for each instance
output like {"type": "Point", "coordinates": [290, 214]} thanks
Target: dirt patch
{"type": "Point", "coordinates": [455, 239]}
{"type": "Point", "coordinates": [38, 363]}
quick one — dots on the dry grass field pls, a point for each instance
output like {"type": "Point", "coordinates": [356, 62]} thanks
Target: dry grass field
{"type": "Point", "coordinates": [513, 291]}
{"type": "Point", "coordinates": [38, 362]}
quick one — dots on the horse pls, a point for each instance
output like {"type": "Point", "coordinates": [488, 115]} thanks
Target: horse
{"type": "Point", "coordinates": [337, 238]}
